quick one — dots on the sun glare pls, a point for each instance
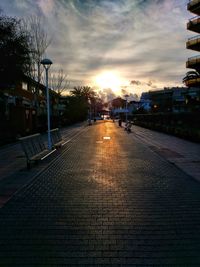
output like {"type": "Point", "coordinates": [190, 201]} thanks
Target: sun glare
{"type": "Point", "coordinates": [108, 79]}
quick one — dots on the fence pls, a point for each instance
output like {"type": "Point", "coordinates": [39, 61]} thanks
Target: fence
{"type": "Point", "coordinates": [184, 125]}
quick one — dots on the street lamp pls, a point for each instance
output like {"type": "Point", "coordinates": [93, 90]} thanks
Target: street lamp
{"type": "Point", "coordinates": [46, 64]}
{"type": "Point", "coordinates": [90, 112]}
{"type": "Point", "coordinates": [126, 96]}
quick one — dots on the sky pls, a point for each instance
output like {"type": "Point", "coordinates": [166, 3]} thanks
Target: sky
{"type": "Point", "coordinates": [115, 46]}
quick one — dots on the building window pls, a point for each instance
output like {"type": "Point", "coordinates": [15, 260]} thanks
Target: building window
{"type": "Point", "coordinates": [24, 86]}
{"type": "Point", "coordinates": [33, 89]}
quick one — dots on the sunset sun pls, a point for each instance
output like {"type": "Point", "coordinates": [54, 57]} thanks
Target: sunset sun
{"type": "Point", "coordinates": [108, 79]}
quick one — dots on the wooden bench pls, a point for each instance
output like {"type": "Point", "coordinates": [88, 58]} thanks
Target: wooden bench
{"type": "Point", "coordinates": [56, 138]}
{"type": "Point", "coordinates": [34, 148]}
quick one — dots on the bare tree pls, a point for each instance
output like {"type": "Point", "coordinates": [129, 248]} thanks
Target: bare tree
{"type": "Point", "coordinates": [59, 82]}
{"type": "Point", "coordinates": [39, 41]}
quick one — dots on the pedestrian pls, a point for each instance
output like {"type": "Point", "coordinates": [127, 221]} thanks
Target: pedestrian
{"type": "Point", "coordinates": [120, 122]}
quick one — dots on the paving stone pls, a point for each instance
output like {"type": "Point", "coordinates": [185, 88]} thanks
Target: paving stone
{"type": "Point", "coordinates": [109, 203]}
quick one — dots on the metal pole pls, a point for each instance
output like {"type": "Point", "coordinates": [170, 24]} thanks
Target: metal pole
{"type": "Point", "coordinates": [126, 110]}
{"type": "Point", "coordinates": [48, 113]}
{"type": "Point", "coordinates": [90, 113]}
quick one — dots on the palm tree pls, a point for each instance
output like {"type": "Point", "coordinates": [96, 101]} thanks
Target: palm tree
{"type": "Point", "coordinates": [87, 96]}
{"type": "Point", "coordinates": [83, 91]}
{"type": "Point", "coordinates": [77, 91]}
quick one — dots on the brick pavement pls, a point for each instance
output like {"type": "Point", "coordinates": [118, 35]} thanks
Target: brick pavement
{"type": "Point", "coordinates": [104, 202]}
{"type": "Point", "coordinates": [12, 158]}
{"type": "Point", "coordinates": [184, 154]}
{"type": "Point", "coordinates": [13, 172]}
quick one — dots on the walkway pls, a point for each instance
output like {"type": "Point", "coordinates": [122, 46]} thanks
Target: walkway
{"type": "Point", "coordinates": [184, 154]}
{"type": "Point", "coordinates": [107, 200]}
{"type": "Point", "coordinates": [13, 172]}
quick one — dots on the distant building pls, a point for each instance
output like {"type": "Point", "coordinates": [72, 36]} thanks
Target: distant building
{"type": "Point", "coordinates": [161, 100]}
{"type": "Point", "coordinates": [145, 102]}
{"type": "Point", "coordinates": [173, 99]}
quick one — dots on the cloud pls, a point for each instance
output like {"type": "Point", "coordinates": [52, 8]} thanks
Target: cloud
{"type": "Point", "coordinates": [46, 6]}
{"type": "Point", "coordinates": [142, 40]}
{"type": "Point", "coordinates": [106, 94]}
{"type": "Point", "coordinates": [151, 84]}
{"type": "Point", "coordinates": [133, 82]}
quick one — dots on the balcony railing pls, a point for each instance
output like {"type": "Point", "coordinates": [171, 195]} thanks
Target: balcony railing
{"type": "Point", "coordinates": [194, 18]}
{"type": "Point", "coordinates": [194, 2]}
{"type": "Point", "coordinates": [193, 62]}
{"type": "Point", "coordinates": [194, 24]}
{"type": "Point", "coordinates": [196, 37]}
{"type": "Point", "coordinates": [192, 82]}
{"type": "Point", "coordinates": [193, 6]}
{"type": "Point", "coordinates": [193, 43]}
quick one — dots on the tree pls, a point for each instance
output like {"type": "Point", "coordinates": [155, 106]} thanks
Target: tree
{"type": "Point", "coordinates": [76, 109]}
{"type": "Point", "coordinates": [87, 95]}
{"type": "Point", "coordinates": [38, 42]}
{"type": "Point", "coordinates": [14, 51]}
{"type": "Point", "coordinates": [118, 102]}
{"type": "Point", "coordinates": [85, 92]}
{"type": "Point", "coordinates": [77, 91]}
{"type": "Point", "coordinates": [59, 82]}
{"type": "Point", "coordinates": [97, 105]}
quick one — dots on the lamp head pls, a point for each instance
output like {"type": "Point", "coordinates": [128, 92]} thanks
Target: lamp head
{"type": "Point", "coordinates": [46, 63]}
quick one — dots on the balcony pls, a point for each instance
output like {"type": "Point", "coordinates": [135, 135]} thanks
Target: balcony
{"type": "Point", "coordinates": [193, 43]}
{"type": "Point", "coordinates": [194, 24]}
{"type": "Point", "coordinates": [193, 63]}
{"type": "Point", "coordinates": [194, 82]}
{"type": "Point", "coordinates": [194, 6]}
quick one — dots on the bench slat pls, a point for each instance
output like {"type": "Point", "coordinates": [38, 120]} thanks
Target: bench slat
{"type": "Point", "coordinates": [34, 148]}
{"type": "Point", "coordinates": [56, 138]}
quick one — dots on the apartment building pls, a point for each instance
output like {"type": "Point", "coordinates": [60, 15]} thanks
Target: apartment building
{"type": "Point", "coordinates": [193, 78]}
{"type": "Point", "coordinates": [23, 108]}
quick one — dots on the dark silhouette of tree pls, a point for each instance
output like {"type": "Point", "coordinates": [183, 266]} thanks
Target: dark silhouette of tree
{"type": "Point", "coordinates": [118, 102]}
{"type": "Point", "coordinates": [87, 96]}
{"type": "Point", "coordinates": [76, 109]}
{"type": "Point", "coordinates": [77, 91]}
{"type": "Point", "coordinates": [14, 51]}
{"type": "Point", "coordinates": [83, 91]}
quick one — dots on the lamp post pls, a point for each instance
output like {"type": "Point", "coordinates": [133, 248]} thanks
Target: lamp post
{"type": "Point", "coordinates": [90, 112]}
{"type": "Point", "coordinates": [126, 96]}
{"type": "Point", "coordinates": [46, 64]}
